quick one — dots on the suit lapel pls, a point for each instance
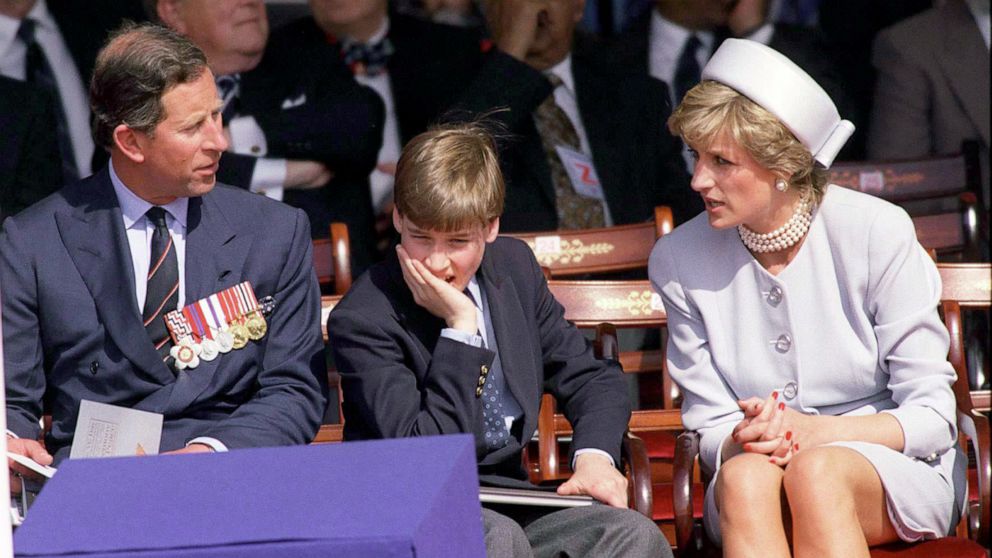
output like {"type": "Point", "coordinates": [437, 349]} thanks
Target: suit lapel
{"type": "Point", "coordinates": [215, 256]}
{"type": "Point", "coordinates": [963, 45]}
{"type": "Point", "coordinates": [105, 267]}
{"type": "Point", "coordinates": [506, 313]}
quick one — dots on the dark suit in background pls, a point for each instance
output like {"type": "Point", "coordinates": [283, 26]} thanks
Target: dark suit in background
{"type": "Point", "coordinates": [624, 113]}
{"type": "Point", "coordinates": [311, 111]}
{"type": "Point", "coordinates": [932, 91]}
{"type": "Point", "coordinates": [430, 66]}
{"type": "Point", "coordinates": [72, 328]}
{"type": "Point", "coordinates": [809, 48]}
{"type": "Point", "coordinates": [29, 153]}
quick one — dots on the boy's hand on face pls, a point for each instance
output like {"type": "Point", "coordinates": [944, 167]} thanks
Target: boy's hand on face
{"type": "Point", "coordinates": [436, 295]}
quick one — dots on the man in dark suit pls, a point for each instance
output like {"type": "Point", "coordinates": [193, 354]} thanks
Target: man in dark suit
{"type": "Point", "coordinates": [932, 91]}
{"type": "Point", "coordinates": [416, 67]}
{"type": "Point", "coordinates": [29, 167]}
{"type": "Point", "coordinates": [587, 145]}
{"type": "Point", "coordinates": [302, 133]}
{"type": "Point", "coordinates": [53, 44]}
{"type": "Point", "coordinates": [457, 332]}
{"type": "Point", "coordinates": [673, 39]}
{"type": "Point", "coordinates": [89, 273]}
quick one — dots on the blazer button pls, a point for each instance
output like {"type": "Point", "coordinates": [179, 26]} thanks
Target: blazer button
{"type": "Point", "coordinates": [94, 367]}
{"type": "Point", "coordinates": [775, 295]}
{"type": "Point", "coordinates": [790, 390]}
{"type": "Point", "coordinates": [484, 369]}
{"type": "Point", "coordinates": [783, 343]}
{"type": "Point", "coordinates": [478, 392]}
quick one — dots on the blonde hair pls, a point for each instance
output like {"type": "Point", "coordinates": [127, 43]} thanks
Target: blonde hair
{"type": "Point", "coordinates": [449, 177]}
{"type": "Point", "coordinates": [711, 108]}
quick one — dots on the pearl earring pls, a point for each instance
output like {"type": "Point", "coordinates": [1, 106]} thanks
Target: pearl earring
{"type": "Point", "coordinates": [781, 185]}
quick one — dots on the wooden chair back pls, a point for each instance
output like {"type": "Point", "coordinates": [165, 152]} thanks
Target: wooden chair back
{"type": "Point", "coordinates": [969, 286]}
{"type": "Point", "coordinates": [951, 234]}
{"type": "Point", "coordinates": [913, 179]}
{"type": "Point", "coordinates": [570, 253]}
{"type": "Point", "coordinates": [623, 304]}
{"type": "Point", "coordinates": [332, 260]}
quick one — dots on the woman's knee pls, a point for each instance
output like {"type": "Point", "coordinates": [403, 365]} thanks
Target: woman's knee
{"type": "Point", "coordinates": [819, 476]}
{"type": "Point", "coordinates": [748, 478]}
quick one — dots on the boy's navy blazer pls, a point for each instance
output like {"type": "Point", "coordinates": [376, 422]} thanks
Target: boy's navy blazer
{"type": "Point", "coordinates": [400, 378]}
{"type": "Point", "coordinates": [73, 330]}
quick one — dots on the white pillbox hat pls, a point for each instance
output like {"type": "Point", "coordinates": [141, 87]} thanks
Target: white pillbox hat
{"type": "Point", "coordinates": [771, 80]}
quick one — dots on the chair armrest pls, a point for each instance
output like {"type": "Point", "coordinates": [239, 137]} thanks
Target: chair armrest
{"type": "Point", "coordinates": [980, 532]}
{"type": "Point", "coordinates": [635, 457]}
{"type": "Point", "coordinates": [686, 451]}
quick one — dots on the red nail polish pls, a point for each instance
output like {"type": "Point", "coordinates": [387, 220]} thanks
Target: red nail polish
{"type": "Point", "coordinates": [747, 447]}
{"type": "Point", "coordinates": [796, 447]}
{"type": "Point", "coordinates": [774, 395]}
{"type": "Point", "coordinates": [781, 406]}
{"type": "Point", "coordinates": [788, 435]}
{"type": "Point", "coordinates": [772, 461]}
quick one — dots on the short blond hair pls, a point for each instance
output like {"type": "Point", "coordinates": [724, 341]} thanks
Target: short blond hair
{"type": "Point", "coordinates": [449, 178]}
{"type": "Point", "coordinates": [711, 108]}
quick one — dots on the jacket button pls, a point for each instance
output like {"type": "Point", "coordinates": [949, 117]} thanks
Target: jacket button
{"type": "Point", "coordinates": [775, 295]}
{"type": "Point", "coordinates": [478, 391]}
{"type": "Point", "coordinates": [790, 390]}
{"type": "Point", "coordinates": [484, 369]}
{"type": "Point", "coordinates": [94, 367]}
{"type": "Point", "coordinates": [783, 343]}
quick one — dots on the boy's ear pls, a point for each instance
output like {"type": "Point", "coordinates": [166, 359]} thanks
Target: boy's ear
{"type": "Point", "coordinates": [397, 220]}
{"type": "Point", "coordinates": [492, 230]}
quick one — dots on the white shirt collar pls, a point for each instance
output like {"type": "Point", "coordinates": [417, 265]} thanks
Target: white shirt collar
{"type": "Point", "coordinates": [563, 70]}
{"type": "Point", "coordinates": [980, 11]}
{"type": "Point", "coordinates": [134, 208]}
{"type": "Point", "coordinates": [669, 37]}
{"type": "Point", "coordinates": [9, 26]}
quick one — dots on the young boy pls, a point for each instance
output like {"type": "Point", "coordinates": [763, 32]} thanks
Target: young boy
{"type": "Point", "coordinates": [458, 333]}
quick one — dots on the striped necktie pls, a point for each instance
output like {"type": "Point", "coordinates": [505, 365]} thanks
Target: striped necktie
{"type": "Point", "coordinates": [162, 293]}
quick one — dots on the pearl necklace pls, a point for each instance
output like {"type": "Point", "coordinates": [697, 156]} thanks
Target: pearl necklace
{"type": "Point", "coordinates": [783, 237]}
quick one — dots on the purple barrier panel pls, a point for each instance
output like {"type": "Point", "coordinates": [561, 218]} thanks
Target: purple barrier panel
{"type": "Point", "coordinates": [416, 497]}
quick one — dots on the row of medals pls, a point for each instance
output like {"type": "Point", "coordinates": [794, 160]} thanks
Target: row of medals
{"type": "Point", "coordinates": [236, 336]}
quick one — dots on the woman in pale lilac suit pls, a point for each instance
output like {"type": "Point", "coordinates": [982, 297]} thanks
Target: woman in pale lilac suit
{"type": "Point", "coordinates": [803, 329]}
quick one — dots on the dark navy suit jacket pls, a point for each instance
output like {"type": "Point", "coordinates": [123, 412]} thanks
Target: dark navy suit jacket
{"type": "Point", "coordinates": [72, 328]}
{"type": "Point", "coordinates": [401, 378]}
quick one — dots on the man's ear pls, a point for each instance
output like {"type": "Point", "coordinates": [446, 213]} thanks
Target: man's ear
{"type": "Point", "coordinates": [492, 230]}
{"type": "Point", "coordinates": [128, 143]}
{"type": "Point", "coordinates": [580, 8]}
{"type": "Point", "coordinates": [171, 14]}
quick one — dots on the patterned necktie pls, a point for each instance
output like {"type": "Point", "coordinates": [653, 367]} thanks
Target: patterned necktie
{"type": "Point", "coordinates": [493, 415]}
{"type": "Point", "coordinates": [162, 293]}
{"type": "Point", "coordinates": [574, 210]}
{"type": "Point", "coordinates": [228, 88]}
{"type": "Point", "coordinates": [368, 59]}
{"type": "Point", "coordinates": [687, 71]}
{"type": "Point", "coordinates": [39, 72]}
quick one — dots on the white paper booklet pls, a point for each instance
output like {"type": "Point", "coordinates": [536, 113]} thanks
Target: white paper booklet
{"type": "Point", "coordinates": [110, 431]}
